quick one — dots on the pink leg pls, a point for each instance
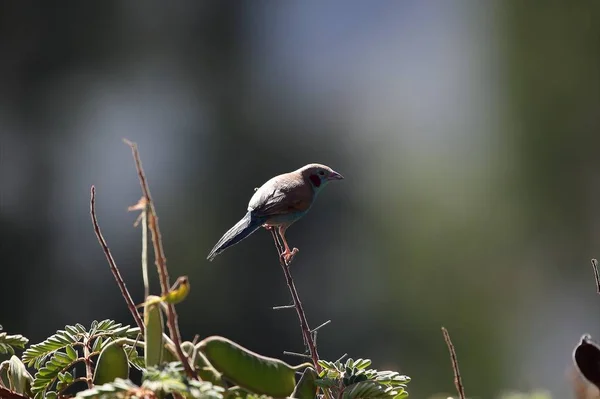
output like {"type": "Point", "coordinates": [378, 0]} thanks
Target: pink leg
{"type": "Point", "coordinates": [287, 254]}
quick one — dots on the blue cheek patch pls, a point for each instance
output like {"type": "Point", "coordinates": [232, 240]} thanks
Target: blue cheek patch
{"type": "Point", "coordinates": [315, 180]}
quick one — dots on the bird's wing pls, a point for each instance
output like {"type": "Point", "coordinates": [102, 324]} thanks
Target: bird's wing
{"type": "Point", "coordinates": [281, 195]}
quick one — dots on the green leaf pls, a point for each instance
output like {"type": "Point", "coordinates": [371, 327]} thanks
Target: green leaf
{"type": "Point", "coordinates": [71, 352]}
{"type": "Point", "coordinates": [97, 344]}
{"type": "Point", "coordinates": [93, 327]}
{"type": "Point", "coordinates": [362, 363]}
{"type": "Point", "coordinates": [135, 359]}
{"type": "Point", "coordinates": [54, 369]}
{"type": "Point", "coordinates": [72, 330]}
{"type": "Point", "coordinates": [327, 365]}
{"type": "Point", "coordinates": [68, 377]}
{"type": "Point", "coordinates": [36, 354]}
{"type": "Point", "coordinates": [8, 343]}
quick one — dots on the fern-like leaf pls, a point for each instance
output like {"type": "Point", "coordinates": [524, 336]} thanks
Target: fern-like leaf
{"type": "Point", "coordinates": [57, 355]}
{"type": "Point", "coordinates": [8, 343]}
{"type": "Point", "coordinates": [56, 368]}
{"type": "Point", "coordinates": [109, 330]}
{"type": "Point", "coordinates": [36, 354]}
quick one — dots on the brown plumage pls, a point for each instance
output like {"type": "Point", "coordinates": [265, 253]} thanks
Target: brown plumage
{"type": "Point", "coordinates": [279, 203]}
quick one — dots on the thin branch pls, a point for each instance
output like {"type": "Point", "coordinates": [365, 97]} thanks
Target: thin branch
{"type": "Point", "coordinates": [308, 339]}
{"type": "Point", "coordinates": [457, 380]}
{"type": "Point", "coordinates": [113, 265]}
{"type": "Point", "coordinates": [160, 260]}
{"type": "Point", "coordinates": [596, 275]}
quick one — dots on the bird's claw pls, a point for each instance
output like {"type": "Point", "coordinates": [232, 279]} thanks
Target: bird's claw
{"type": "Point", "coordinates": [289, 255]}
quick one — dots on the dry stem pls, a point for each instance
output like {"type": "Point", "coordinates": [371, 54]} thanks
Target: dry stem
{"type": "Point", "coordinates": [160, 260]}
{"type": "Point", "coordinates": [306, 332]}
{"type": "Point", "coordinates": [457, 380]}
{"type": "Point", "coordinates": [113, 265]}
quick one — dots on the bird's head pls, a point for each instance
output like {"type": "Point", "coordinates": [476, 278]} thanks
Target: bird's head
{"type": "Point", "coordinates": [319, 175]}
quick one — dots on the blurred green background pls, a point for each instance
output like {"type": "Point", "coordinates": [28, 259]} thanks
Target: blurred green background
{"type": "Point", "coordinates": [467, 131]}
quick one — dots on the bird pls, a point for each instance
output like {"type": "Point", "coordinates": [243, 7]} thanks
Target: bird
{"type": "Point", "coordinates": [278, 203]}
{"type": "Point", "coordinates": [177, 293]}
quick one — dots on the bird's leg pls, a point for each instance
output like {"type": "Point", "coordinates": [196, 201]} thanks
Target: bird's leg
{"type": "Point", "coordinates": [287, 255]}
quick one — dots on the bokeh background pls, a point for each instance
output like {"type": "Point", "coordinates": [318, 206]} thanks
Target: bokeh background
{"type": "Point", "coordinates": [468, 133]}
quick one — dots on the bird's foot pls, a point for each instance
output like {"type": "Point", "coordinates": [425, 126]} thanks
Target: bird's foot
{"type": "Point", "coordinates": [267, 227]}
{"type": "Point", "coordinates": [288, 255]}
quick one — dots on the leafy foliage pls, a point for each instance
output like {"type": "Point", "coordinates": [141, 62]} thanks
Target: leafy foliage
{"type": "Point", "coordinates": [135, 359]}
{"type": "Point", "coordinates": [119, 388]}
{"type": "Point", "coordinates": [352, 380]}
{"type": "Point", "coordinates": [56, 357]}
{"type": "Point", "coordinates": [8, 343]}
{"type": "Point", "coordinates": [156, 382]}
{"type": "Point", "coordinates": [171, 379]}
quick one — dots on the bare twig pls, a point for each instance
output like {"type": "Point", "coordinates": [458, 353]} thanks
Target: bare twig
{"type": "Point", "coordinates": [113, 265]}
{"type": "Point", "coordinates": [457, 380]}
{"type": "Point", "coordinates": [160, 260]}
{"type": "Point", "coordinates": [308, 339]}
{"type": "Point", "coordinates": [596, 275]}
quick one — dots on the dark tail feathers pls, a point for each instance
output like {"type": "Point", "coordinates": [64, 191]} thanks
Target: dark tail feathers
{"type": "Point", "coordinates": [237, 233]}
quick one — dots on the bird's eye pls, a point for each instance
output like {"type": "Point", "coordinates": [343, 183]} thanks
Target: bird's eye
{"type": "Point", "coordinates": [322, 173]}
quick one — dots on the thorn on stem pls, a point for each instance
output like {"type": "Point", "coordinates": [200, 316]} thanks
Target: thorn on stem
{"type": "Point", "coordinates": [297, 354]}
{"type": "Point", "coordinates": [341, 358]}
{"type": "Point", "coordinates": [319, 327]}
{"type": "Point", "coordinates": [284, 307]}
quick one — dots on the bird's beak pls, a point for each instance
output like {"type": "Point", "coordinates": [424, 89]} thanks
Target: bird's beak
{"type": "Point", "coordinates": [335, 176]}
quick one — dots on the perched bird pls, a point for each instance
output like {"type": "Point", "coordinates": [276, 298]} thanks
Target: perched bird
{"type": "Point", "coordinates": [177, 293]}
{"type": "Point", "coordinates": [278, 204]}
